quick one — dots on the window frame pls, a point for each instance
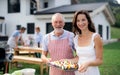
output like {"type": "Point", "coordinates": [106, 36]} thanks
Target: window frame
{"type": "Point", "coordinates": [29, 30]}
{"type": "Point", "coordinates": [15, 8]}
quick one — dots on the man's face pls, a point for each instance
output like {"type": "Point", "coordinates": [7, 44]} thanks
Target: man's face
{"type": "Point", "coordinates": [22, 31]}
{"type": "Point", "coordinates": [37, 31]}
{"type": "Point", "coordinates": [58, 23]}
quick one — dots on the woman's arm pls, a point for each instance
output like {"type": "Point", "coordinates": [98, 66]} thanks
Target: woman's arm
{"type": "Point", "coordinates": [98, 51]}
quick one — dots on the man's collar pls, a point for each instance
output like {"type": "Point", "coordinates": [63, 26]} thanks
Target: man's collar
{"type": "Point", "coordinates": [53, 34]}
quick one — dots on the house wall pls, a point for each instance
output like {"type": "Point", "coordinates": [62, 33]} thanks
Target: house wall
{"type": "Point", "coordinates": [62, 2]}
{"type": "Point", "coordinates": [54, 3]}
{"type": "Point", "coordinates": [50, 3]}
{"type": "Point", "coordinates": [2, 13]}
{"type": "Point", "coordinates": [3, 7]}
{"type": "Point", "coordinates": [22, 18]}
{"type": "Point", "coordinates": [100, 19]}
{"type": "Point", "coordinates": [41, 4]}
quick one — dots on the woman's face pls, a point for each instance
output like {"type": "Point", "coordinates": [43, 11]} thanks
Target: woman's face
{"type": "Point", "coordinates": [82, 22]}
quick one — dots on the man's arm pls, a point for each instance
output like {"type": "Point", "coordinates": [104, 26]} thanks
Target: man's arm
{"type": "Point", "coordinates": [44, 57]}
{"type": "Point", "coordinates": [16, 41]}
{"type": "Point", "coordinates": [22, 41]}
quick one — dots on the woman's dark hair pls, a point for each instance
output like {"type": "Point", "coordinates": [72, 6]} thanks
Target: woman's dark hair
{"type": "Point", "coordinates": [91, 27]}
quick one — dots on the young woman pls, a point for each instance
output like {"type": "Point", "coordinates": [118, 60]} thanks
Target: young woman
{"type": "Point", "coordinates": [88, 44]}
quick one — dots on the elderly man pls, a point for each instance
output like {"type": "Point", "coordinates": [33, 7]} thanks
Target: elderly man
{"type": "Point", "coordinates": [59, 44]}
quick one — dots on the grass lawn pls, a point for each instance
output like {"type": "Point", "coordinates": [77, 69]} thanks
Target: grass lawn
{"type": "Point", "coordinates": [111, 65]}
{"type": "Point", "coordinates": [115, 32]}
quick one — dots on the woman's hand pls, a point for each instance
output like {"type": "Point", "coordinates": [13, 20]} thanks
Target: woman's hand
{"type": "Point", "coordinates": [83, 67]}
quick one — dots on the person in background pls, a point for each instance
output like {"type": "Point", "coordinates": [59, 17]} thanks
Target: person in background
{"type": "Point", "coordinates": [38, 40]}
{"type": "Point", "coordinates": [28, 41]}
{"type": "Point", "coordinates": [59, 45]}
{"type": "Point", "coordinates": [88, 44]}
{"type": "Point", "coordinates": [14, 38]}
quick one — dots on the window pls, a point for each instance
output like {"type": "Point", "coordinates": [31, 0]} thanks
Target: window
{"type": "Point", "coordinates": [33, 6]}
{"type": "Point", "coordinates": [49, 27]}
{"type": "Point", "coordinates": [68, 26]}
{"type": "Point", "coordinates": [45, 4]}
{"type": "Point", "coordinates": [13, 6]}
{"type": "Point", "coordinates": [30, 28]}
{"type": "Point", "coordinates": [107, 32]}
{"type": "Point", "coordinates": [0, 27]}
{"type": "Point", "coordinates": [18, 27]}
{"type": "Point", "coordinates": [100, 30]}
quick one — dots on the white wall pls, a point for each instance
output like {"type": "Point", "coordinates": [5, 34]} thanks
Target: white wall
{"type": "Point", "coordinates": [3, 7]}
{"type": "Point", "coordinates": [3, 12]}
{"type": "Point", "coordinates": [100, 19]}
{"type": "Point", "coordinates": [51, 3]}
{"type": "Point", "coordinates": [62, 2]}
{"type": "Point", "coordinates": [55, 3]}
{"type": "Point", "coordinates": [41, 4]}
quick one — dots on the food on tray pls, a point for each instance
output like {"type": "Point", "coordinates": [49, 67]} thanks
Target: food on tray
{"type": "Point", "coordinates": [65, 65]}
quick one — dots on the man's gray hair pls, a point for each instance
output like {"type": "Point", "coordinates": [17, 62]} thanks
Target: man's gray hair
{"type": "Point", "coordinates": [58, 14]}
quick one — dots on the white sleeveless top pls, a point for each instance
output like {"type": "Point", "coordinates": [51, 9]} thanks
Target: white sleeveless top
{"type": "Point", "coordinates": [86, 53]}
